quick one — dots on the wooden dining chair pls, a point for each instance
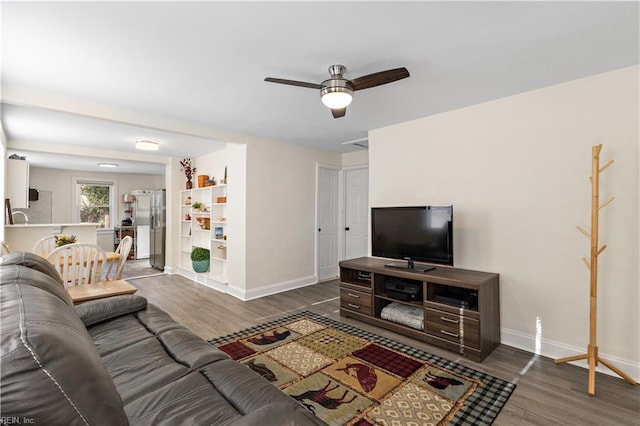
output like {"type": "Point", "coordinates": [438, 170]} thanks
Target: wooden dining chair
{"type": "Point", "coordinates": [45, 246]}
{"type": "Point", "coordinates": [79, 263]}
{"type": "Point", "coordinates": [114, 270]}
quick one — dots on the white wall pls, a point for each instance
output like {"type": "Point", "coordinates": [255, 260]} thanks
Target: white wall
{"type": "Point", "coordinates": [516, 171]}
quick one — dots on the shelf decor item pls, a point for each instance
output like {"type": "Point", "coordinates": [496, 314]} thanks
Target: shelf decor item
{"type": "Point", "coordinates": [189, 171]}
{"type": "Point", "coordinates": [200, 259]}
{"type": "Point", "coordinates": [201, 180]}
{"type": "Point", "coordinates": [197, 206]}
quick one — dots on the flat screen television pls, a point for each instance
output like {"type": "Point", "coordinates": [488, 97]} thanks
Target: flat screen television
{"type": "Point", "coordinates": [418, 233]}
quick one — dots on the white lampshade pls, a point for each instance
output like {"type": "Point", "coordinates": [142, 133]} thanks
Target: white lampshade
{"type": "Point", "coordinates": [337, 99]}
{"type": "Point", "coordinates": [147, 145]}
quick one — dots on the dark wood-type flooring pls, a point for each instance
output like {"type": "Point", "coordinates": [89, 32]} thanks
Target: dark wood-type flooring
{"type": "Point", "coordinates": [547, 394]}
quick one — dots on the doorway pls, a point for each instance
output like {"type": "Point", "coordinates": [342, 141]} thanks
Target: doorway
{"type": "Point", "coordinates": [327, 208]}
{"type": "Point", "coordinates": [356, 212]}
{"type": "Point", "coordinates": [342, 217]}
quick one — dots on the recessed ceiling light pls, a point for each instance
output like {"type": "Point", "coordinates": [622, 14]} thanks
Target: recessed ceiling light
{"type": "Point", "coordinates": [108, 165]}
{"type": "Point", "coordinates": [147, 145]}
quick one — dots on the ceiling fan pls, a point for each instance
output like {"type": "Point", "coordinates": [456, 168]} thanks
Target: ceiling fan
{"type": "Point", "coordinates": [337, 92]}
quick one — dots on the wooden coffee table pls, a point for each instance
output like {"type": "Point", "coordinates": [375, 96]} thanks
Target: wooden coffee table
{"type": "Point", "coordinates": [85, 292]}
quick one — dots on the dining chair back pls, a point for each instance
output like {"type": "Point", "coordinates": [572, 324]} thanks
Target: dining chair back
{"type": "Point", "coordinates": [114, 271]}
{"type": "Point", "coordinates": [45, 246]}
{"type": "Point", "coordinates": [79, 263]}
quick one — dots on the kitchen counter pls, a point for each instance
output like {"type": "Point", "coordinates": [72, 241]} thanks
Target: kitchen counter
{"type": "Point", "coordinates": [23, 237]}
{"type": "Point", "coordinates": [51, 225]}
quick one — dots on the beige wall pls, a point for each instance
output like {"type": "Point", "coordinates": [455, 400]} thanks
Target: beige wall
{"type": "Point", "coordinates": [281, 231]}
{"type": "Point", "coordinates": [60, 182]}
{"type": "Point", "coordinates": [516, 171]}
{"type": "Point", "coordinates": [3, 161]}
{"type": "Point", "coordinates": [355, 158]}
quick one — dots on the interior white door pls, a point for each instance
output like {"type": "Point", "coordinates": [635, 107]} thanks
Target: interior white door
{"type": "Point", "coordinates": [327, 214]}
{"type": "Point", "coordinates": [356, 228]}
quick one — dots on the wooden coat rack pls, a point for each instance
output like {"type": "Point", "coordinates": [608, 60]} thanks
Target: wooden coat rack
{"type": "Point", "coordinates": [592, 349]}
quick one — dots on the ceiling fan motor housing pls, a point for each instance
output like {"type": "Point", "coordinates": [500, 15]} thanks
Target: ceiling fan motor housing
{"type": "Point", "coordinates": [336, 83]}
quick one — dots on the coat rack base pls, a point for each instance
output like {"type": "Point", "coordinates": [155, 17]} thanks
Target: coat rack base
{"type": "Point", "coordinates": [593, 359]}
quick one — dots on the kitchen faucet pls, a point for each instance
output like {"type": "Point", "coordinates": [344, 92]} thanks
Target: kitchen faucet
{"type": "Point", "coordinates": [26, 218]}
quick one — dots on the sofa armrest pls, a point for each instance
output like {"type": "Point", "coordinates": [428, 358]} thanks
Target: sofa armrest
{"type": "Point", "coordinates": [96, 311]}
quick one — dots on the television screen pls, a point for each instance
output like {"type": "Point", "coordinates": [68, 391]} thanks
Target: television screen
{"type": "Point", "coordinates": [420, 233]}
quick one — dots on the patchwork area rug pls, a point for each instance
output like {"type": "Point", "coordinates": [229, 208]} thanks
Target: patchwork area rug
{"type": "Point", "coordinates": [347, 376]}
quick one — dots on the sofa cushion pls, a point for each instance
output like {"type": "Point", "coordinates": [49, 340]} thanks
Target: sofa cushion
{"type": "Point", "coordinates": [47, 357]}
{"type": "Point", "coordinates": [166, 374]}
{"type": "Point", "coordinates": [189, 400]}
{"type": "Point", "coordinates": [196, 399]}
{"type": "Point", "coordinates": [147, 350]}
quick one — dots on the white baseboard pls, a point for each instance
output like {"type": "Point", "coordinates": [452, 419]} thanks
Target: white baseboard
{"type": "Point", "coordinates": [555, 350]}
{"type": "Point", "coordinates": [245, 295]}
{"type": "Point", "coordinates": [242, 294]}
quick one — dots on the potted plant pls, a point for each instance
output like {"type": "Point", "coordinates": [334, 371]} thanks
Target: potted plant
{"type": "Point", "coordinates": [63, 240]}
{"type": "Point", "coordinates": [200, 259]}
{"type": "Point", "coordinates": [197, 206]}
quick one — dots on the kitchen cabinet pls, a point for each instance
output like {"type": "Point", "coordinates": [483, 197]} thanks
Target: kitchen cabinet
{"type": "Point", "coordinates": [18, 183]}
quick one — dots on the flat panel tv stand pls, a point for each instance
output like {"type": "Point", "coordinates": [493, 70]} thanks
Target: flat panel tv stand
{"type": "Point", "coordinates": [461, 308]}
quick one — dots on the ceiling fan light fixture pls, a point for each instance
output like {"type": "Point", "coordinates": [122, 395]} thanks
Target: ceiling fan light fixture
{"type": "Point", "coordinates": [336, 97]}
{"type": "Point", "coordinates": [145, 145]}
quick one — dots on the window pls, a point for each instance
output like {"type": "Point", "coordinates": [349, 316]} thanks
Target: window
{"type": "Point", "coordinates": [95, 202]}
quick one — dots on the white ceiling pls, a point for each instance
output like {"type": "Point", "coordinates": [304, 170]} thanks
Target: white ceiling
{"type": "Point", "coordinates": [203, 64]}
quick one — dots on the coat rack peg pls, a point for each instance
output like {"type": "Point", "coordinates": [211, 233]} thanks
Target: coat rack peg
{"type": "Point", "coordinates": [595, 150]}
{"type": "Point", "coordinates": [584, 231]}
{"type": "Point", "coordinates": [606, 202]}
{"type": "Point", "coordinates": [592, 349]}
{"type": "Point", "coordinates": [606, 165]}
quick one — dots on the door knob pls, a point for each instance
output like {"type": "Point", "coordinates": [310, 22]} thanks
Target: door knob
{"type": "Point", "coordinates": [319, 229]}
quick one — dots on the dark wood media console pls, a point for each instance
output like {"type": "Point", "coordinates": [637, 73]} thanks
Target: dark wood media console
{"type": "Point", "coordinates": [461, 307]}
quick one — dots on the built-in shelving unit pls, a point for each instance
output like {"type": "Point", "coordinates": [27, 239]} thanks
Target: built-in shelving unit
{"type": "Point", "coordinates": [459, 308]}
{"type": "Point", "coordinates": [204, 226]}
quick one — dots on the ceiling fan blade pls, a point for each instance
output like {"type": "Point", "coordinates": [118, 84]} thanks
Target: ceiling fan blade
{"type": "Point", "coordinates": [339, 112]}
{"type": "Point", "coordinates": [379, 78]}
{"type": "Point", "coordinates": [293, 83]}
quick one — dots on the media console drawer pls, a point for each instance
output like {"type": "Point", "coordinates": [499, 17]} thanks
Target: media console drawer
{"type": "Point", "coordinates": [355, 300]}
{"type": "Point", "coordinates": [455, 328]}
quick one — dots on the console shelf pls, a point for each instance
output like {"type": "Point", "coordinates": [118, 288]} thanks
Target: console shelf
{"type": "Point", "coordinates": [461, 307]}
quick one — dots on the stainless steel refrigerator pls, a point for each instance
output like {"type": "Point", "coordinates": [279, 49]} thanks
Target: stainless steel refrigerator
{"type": "Point", "coordinates": [157, 231]}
